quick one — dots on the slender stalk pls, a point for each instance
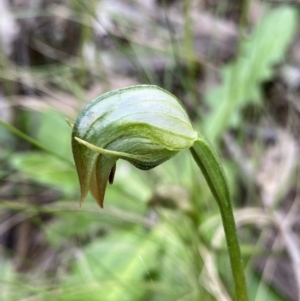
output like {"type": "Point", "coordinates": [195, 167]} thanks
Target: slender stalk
{"type": "Point", "coordinates": [210, 165]}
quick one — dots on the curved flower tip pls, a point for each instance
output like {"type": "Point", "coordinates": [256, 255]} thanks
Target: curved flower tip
{"type": "Point", "coordinates": [144, 125]}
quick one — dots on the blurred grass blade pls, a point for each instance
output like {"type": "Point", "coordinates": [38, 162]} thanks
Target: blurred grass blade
{"type": "Point", "coordinates": [32, 141]}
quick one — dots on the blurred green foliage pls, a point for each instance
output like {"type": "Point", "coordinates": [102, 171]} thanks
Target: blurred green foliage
{"type": "Point", "coordinates": [133, 250]}
{"type": "Point", "coordinates": [259, 52]}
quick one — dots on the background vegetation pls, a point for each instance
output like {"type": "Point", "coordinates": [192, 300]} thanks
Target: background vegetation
{"type": "Point", "coordinates": [236, 67]}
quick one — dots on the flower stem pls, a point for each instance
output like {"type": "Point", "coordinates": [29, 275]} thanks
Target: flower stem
{"type": "Point", "coordinates": [209, 163]}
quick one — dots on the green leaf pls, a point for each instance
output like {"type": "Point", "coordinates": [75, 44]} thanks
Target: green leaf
{"type": "Point", "coordinates": [127, 266]}
{"type": "Point", "coordinates": [46, 169]}
{"type": "Point", "coordinates": [241, 79]}
{"type": "Point", "coordinates": [54, 133]}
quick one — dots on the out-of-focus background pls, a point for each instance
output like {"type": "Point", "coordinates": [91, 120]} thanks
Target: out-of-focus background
{"type": "Point", "coordinates": [236, 67]}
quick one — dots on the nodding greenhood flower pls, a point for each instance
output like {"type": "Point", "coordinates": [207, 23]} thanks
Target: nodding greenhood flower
{"type": "Point", "coordinates": [144, 125]}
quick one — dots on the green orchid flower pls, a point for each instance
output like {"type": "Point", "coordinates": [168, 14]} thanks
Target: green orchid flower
{"type": "Point", "coordinates": [146, 126]}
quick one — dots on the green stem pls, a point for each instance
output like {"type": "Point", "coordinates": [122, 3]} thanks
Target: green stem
{"type": "Point", "coordinates": [209, 162]}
